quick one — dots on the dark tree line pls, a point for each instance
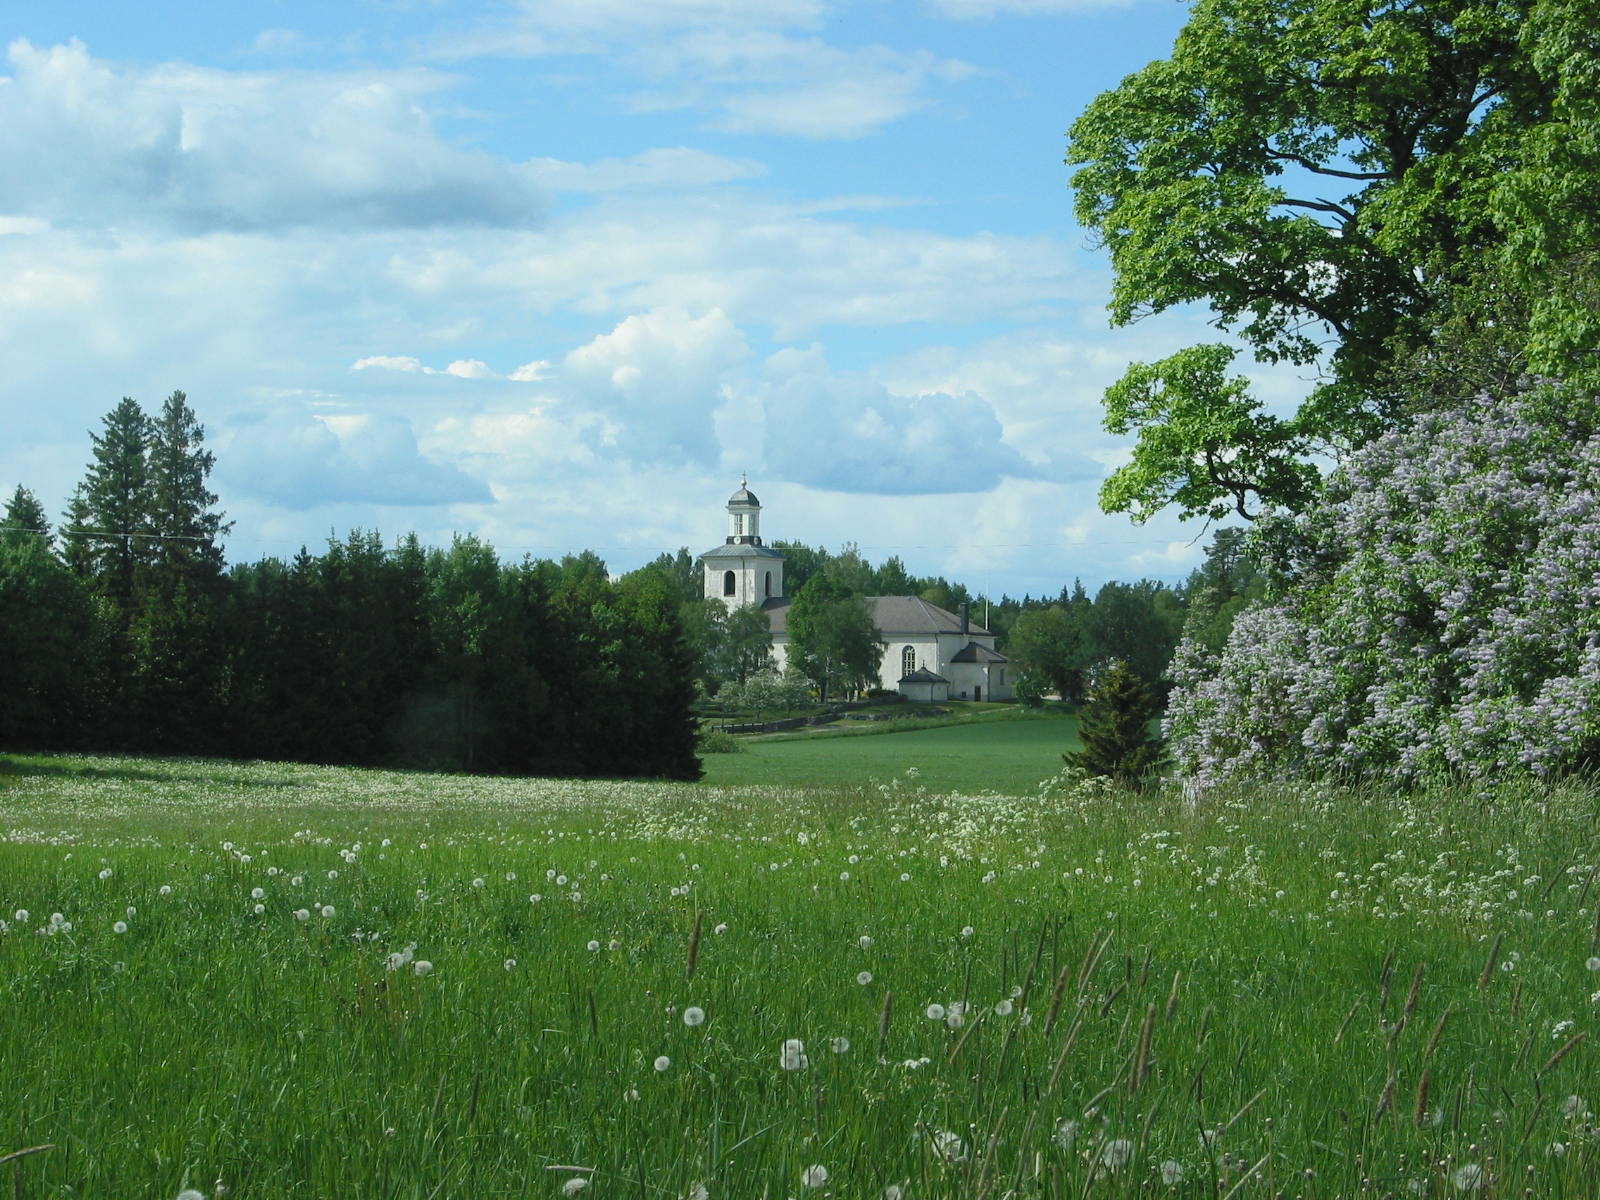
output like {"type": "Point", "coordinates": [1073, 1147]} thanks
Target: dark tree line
{"type": "Point", "coordinates": [123, 630]}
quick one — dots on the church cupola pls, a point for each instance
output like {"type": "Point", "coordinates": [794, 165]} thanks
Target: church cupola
{"type": "Point", "coordinates": [743, 571]}
{"type": "Point", "coordinates": [744, 517]}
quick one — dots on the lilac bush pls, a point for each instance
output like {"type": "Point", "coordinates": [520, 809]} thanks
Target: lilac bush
{"type": "Point", "coordinates": [1438, 614]}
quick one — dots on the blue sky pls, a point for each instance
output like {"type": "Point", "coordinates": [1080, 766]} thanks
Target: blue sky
{"type": "Point", "coordinates": [555, 271]}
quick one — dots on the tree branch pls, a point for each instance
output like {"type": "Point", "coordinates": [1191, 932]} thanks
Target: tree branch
{"type": "Point", "coordinates": [1237, 486]}
{"type": "Point", "coordinates": [1327, 206]}
{"type": "Point", "coordinates": [1301, 160]}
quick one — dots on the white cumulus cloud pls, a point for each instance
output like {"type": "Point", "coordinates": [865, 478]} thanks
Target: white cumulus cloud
{"type": "Point", "coordinates": [87, 142]}
{"type": "Point", "coordinates": [660, 374]}
{"type": "Point", "coordinates": [297, 459]}
{"type": "Point", "coordinates": [847, 432]}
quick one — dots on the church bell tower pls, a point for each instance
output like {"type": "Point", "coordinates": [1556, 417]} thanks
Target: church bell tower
{"type": "Point", "coordinates": [743, 571]}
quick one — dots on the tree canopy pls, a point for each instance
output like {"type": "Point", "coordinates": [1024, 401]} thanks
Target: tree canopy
{"type": "Point", "coordinates": [1324, 174]}
{"type": "Point", "coordinates": [832, 640]}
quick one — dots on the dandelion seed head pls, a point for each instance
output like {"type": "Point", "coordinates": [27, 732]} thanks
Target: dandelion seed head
{"type": "Point", "coordinates": [694, 1016]}
{"type": "Point", "coordinates": [814, 1176]}
{"type": "Point", "coordinates": [1114, 1155]}
{"type": "Point", "coordinates": [662, 1063]}
{"type": "Point", "coordinates": [1468, 1177]}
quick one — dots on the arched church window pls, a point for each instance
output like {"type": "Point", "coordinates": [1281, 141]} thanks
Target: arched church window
{"type": "Point", "coordinates": [908, 660]}
{"type": "Point", "coordinates": [730, 583]}
{"type": "Point", "coordinates": [769, 583]}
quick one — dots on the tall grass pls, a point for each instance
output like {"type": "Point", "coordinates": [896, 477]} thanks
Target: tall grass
{"type": "Point", "coordinates": [1302, 992]}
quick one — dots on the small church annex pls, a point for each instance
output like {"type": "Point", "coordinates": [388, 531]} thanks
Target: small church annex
{"type": "Point", "coordinates": [931, 654]}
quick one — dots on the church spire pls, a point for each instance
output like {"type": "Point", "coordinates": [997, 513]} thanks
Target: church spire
{"type": "Point", "coordinates": [744, 515]}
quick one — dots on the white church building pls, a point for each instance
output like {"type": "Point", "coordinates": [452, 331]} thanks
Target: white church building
{"type": "Point", "coordinates": [930, 654]}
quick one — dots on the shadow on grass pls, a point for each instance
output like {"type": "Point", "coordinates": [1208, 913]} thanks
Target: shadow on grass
{"type": "Point", "coordinates": [17, 768]}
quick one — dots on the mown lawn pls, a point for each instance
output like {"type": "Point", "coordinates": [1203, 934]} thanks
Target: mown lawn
{"type": "Point", "coordinates": [1011, 757]}
{"type": "Point", "coordinates": [212, 977]}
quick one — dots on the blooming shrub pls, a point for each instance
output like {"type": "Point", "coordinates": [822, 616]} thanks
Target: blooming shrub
{"type": "Point", "coordinates": [1437, 613]}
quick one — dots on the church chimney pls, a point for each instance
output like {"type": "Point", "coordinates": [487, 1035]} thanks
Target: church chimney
{"type": "Point", "coordinates": [966, 611]}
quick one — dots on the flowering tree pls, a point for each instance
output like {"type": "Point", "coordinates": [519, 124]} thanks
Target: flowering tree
{"type": "Point", "coordinates": [1438, 611]}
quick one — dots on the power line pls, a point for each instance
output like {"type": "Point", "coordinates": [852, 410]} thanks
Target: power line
{"type": "Point", "coordinates": [1085, 543]}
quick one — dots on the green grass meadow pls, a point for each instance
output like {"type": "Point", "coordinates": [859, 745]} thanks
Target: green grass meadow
{"type": "Point", "coordinates": [1302, 993]}
{"type": "Point", "coordinates": [1006, 752]}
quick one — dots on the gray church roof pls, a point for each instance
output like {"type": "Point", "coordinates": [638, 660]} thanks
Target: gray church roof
{"type": "Point", "coordinates": [891, 614]}
{"type": "Point", "coordinates": [744, 496]}
{"type": "Point", "coordinates": [742, 550]}
{"type": "Point", "coordinates": [923, 675]}
{"type": "Point", "coordinates": [974, 653]}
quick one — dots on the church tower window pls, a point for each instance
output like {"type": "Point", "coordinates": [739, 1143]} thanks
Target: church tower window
{"type": "Point", "coordinates": [908, 660]}
{"type": "Point", "coordinates": [730, 583]}
{"type": "Point", "coordinates": [769, 583]}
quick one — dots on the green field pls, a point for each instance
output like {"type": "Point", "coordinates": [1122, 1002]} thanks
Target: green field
{"type": "Point", "coordinates": [1010, 756]}
{"type": "Point", "coordinates": [1309, 993]}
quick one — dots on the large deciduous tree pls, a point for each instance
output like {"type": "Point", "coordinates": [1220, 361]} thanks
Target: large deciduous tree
{"type": "Point", "coordinates": [1051, 647]}
{"type": "Point", "coordinates": [746, 645]}
{"type": "Point", "coordinates": [1324, 175]}
{"type": "Point", "coordinates": [832, 640]}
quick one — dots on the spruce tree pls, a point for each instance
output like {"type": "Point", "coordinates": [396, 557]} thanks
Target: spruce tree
{"type": "Point", "coordinates": [181, 511]}
{"type": "Point", "coordinates": [116, 496]}
{"type": "Point", "coordinates": [1114, 728]}
{"type": "Point", "coordinates": [77, 547]}
{"type": "Point", "coordinates": [24, 518]}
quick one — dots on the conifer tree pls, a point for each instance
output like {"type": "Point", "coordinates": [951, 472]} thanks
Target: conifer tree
{"type": "Point", "coordinates": [181, 507]}
{"type": "Point", "coordinates": [24, 518]}
{"type": "Point", "coordinates": [117, 502]}
{"type": "Point", "coordinates": [1115, 729]}
{"type": "Point", "coordinates": [77, 547]}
